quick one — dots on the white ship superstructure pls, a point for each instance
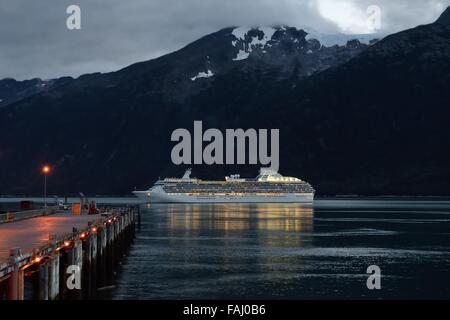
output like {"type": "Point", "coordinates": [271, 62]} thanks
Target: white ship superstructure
{"type": "Point", "coordinates": [268, 187]}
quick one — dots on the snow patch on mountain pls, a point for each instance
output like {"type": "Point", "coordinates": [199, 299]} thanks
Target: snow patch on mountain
{"type": "Point", "coordinates": [240, 32]}
{"type": "Point", "coordinates": [241, 35]}
{"type": "Point", "coordinates": [202, 74]}
{"type": "Point", "coordinates": [242, 55]}
{"type": "Point", "coordinates": [268, 34]}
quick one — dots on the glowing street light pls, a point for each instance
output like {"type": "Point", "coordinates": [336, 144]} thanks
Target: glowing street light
{"type": "Point", "coordinates": [45, 171]}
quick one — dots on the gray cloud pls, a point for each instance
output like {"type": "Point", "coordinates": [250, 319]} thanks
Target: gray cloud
{"type": "Point", "coordinates": [34, 41]}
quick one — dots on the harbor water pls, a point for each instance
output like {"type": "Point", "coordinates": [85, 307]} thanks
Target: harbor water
{"type": "Point", "coordinates": [289, 251]}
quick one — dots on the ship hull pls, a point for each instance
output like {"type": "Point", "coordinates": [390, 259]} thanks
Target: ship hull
{"type": "Point", "coordinates": [160, 197]}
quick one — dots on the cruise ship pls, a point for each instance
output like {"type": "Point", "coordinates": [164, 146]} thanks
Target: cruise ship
{"type": "Point", "coordinates": [268, 187]}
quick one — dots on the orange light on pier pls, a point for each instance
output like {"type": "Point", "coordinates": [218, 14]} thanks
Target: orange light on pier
{"type": "Point", "coordinates": [37, 259]}
{"type": "Point", "coordinates": [83, 235]}
{"type": "Point", "coordinates": [94, 229]}
{"type": "Point", "coordinates": [46, 169]}
{"type": "Point", "coordinates": [66, 243]}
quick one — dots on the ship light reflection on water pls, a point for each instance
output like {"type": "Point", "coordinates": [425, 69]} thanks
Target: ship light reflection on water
{"type": "Point", "coordinates": [293, 219]}
{"type": "Point", "coordinates": [213, 245]}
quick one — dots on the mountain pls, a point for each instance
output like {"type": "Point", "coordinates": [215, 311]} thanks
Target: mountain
{"type": "Point", "coordinates": [278, 52]}
{"type": "Point", "coordinates": [12, 90]}
{"type": "Point", "coordinates": [353, 119]}
{"type": "Point", "coordinates": [444, 19]}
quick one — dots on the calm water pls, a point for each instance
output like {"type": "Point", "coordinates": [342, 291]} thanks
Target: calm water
{"type": "Point", "coordinates": [289, 251]}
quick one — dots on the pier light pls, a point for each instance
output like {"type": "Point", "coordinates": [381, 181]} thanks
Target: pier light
{"type": "Point", "coordinates": [66, 243]}
{"type": "Point", "coordinates": [94, 229]}
{"type": "Point", "coordinates": [45, 170]}
{"type": "Point", "coordinates": [83, 235]}
{"type": "Point", "coordinates": [37, 259]}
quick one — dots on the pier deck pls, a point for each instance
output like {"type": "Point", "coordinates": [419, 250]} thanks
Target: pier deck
{"type": "Point", "coordinates": [34, 233]}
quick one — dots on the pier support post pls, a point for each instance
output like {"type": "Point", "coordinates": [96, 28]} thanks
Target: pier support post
{"type": "Point", "coordinates": [118, 243]}
{"type": "Point", "coordinates": [15, 288]}
{"type": "Point", "coordinates": [102, 241]}
{"type": "Point", "coordinates": [15, 285]}
{"type": "Point", "coordinates": [132, 224]}
{"type": "Point", "coordinates": [122, 243]}
{"type": "Point", "coordinates": [138, 209]}
{"type": "Point", "coordinates": [89, 266]}
{"type": "Point", "coordinates": [93, 268]}
{"type": "Point", "coordinates": [53, 277]}
{"type": "Point", "coordinates": [109, 259]}
{"type": "Point", "coordinates": [3, 282]}
{"type": "Point", "coordinates": [43, 281]}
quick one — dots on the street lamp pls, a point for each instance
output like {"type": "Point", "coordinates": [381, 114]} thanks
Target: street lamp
{"type": "Point", "coordinates": [45, 171]}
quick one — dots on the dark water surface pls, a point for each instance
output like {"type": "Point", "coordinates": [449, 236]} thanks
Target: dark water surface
{"type": "Point", "coordinates": [290, 251]}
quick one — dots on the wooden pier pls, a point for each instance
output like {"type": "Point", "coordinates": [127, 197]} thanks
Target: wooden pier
{"type": "Point", "coordinates": [62, 256]}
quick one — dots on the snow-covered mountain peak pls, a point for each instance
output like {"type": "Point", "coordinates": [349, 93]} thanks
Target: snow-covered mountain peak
{"type": "Point", "coordinates": [261, 37]}
{"type": "Point", "coordinates": [249, 39]}
{"type": "Point", "coordinates": [282, 48]}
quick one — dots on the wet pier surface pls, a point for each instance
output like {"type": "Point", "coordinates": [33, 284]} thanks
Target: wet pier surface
{"type": "Point", "coordinates": [34, 233]}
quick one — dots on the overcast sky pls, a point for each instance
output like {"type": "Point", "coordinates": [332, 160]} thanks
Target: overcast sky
{"type": "Point", "coordinates": [35, 42]}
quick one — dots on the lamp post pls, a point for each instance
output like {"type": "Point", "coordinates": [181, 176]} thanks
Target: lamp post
{"type": "Point", "coordinates": [45, 171]}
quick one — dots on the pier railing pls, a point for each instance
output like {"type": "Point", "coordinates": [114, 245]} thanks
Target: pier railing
{"type": "Point", "coordinates": [27, 214]}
